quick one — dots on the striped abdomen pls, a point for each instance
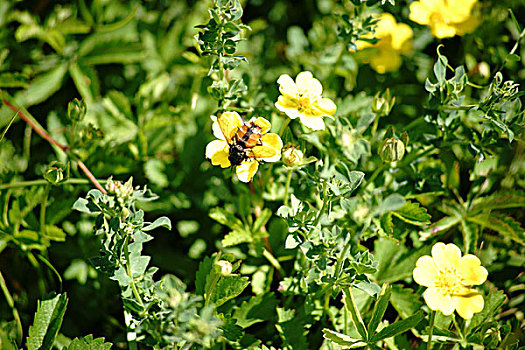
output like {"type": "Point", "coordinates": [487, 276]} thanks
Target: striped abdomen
{"type": "Point", "coordinates": [248, 135]}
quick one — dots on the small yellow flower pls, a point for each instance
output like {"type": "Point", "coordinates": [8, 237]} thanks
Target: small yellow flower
{"type": "Point", "coordinates": [303, 99]}
{"type": "Point", "coordinates": [225, 128]}
{"type": "Point", "coordinates": [445, 18]}
{"type": "Point", "coordinates": [449, 277]}
{"type": "Point", "coordinates": [395, 39]}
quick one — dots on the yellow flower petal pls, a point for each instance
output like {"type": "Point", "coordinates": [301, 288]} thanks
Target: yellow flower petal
{"type": "Point", "coordinates": [313, 122]}
{"type": "Point", "coordinates": [446, 256]}
{"type": "Point", "coordinates": [287, 85]}
{"type": "Point", "coordinates": [290, 111]}
{"type": "Point", "coordinates": [442, 30]}
{"type": "Point", "coordinates": [247, 170]}
{"type": "Point", "coordinates": [307, 84]}
{"type": "Point", "coordinates": [327, 106]}
{"type": "Point", "coordinates": [217, 132]}
{"type": "Point", "coordinates": [387, 60]}
{"type": "Point", "coordinates": [218, 152]}
{"type": "Point", "coordinates": [425, 272]}
{"type": "Point", "coordinates": [471, 271]}
{"type": "Point", "coordinates": [438, 302]}
{"type": "Point", "coordinates": [468, 305]}
{"type": "Point", "coordinates": [419, 13]}
{"type": "Point", "coordinates": [229, 123]}
{"type": "Point", "coordinates": [274, 141]}
{"type": "Point", "coordinates": [263, 124]}
{"type": "Point", "coordinates": [403, 34]}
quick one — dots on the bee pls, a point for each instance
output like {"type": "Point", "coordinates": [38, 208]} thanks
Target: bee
{"type": "Point", "coordinates": [246, 141]}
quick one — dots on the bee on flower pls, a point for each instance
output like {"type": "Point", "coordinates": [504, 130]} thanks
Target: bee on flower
{"type": "Point", "coordinates": [446, 18]}
{"type": "Point", "coordinates": [242, 144]}
{"type": "Point", "coordinates": [302, 99]}
{"type": "Point", "coordinates": [395, 39]}
{"type": "Point", "coordinates": [449, 278]}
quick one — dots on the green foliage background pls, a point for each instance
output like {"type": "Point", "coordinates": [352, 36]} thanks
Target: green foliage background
{"type": "Point", "coordinates": [347, 220]}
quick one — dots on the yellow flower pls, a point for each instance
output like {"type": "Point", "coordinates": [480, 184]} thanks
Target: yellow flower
{"type": "Point", "coordinates": [445, 18]}
{"type": "Point", "coordinates": [302, 99]}
{"type": "Point", "coordinates": [225, 128]}
{"type": "Point", "coordinates": [449, 277]}
{"type": "Point", "coordinates": [395, 39]}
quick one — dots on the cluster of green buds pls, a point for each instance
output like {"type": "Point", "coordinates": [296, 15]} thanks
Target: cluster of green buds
{"type": "Point", "coordinates": [76, 110]}
{"type": "Point", "coordinates": [122, 191]}
{"type": "Point", "coordinates": [57, 173]}
{"type": "Point", "coordinates": [383, 103]}
{"type": "Point", "coordinates": [392, 149]}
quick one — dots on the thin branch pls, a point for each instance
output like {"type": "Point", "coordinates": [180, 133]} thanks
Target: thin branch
{"type": "Point", "coordinates": [51, 140]}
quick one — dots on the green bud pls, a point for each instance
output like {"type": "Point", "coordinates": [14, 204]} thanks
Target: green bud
{"type": "Point", "coordinates": [223, 267]}
{"type": "Point", "coordinates": [383, 103]}
{"type": "Point", "coordinates": [56, 173]}
{"type": "Point", "coordinates": [392, 150]}
{"type": "Point", "coordinates": [76, 110]}
{"type": "Point", "coordinates": [292, 156]}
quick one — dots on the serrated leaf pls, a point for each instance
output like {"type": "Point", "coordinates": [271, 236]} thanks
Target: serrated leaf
{"type": "Point", "coordinates": [292, 329]}
{"type": "Point", "coordinates": [380, 308]}
{"type": "Point", "coordinates": [42, 87]}
{"type": "Point", "coordinates": [13, 80]}
{"type": "Point", "coordinates": [502, 224]}
{"type": "Point", "coordinates": [236, 237]}
{"type": "Point", "coordinates": [55, 233]}
{"type": "Point", "coordinates": [351, 306]}
{"type": "Point", "coordinates": [515, 199]}
{"type": "Point", "coordinates": [342, 339]}
{"type": "Point", "coordinates": [205, 267]}
{"type": "Point", "coordinates": [395, 261]}
{"type": "Point", "coordinates": [398, 327]}
{"type": "Point", "coordinates": [491, 303]}
{"type": "Point", "coordinates": [390, 203]}
{"type": "Point", "coordinates": [88, 343]}
{"type": "Point", "coordinates": [228, 287]}
{"type": "Point", "coordinates": [163, 221]}
{"type": "Point", "coordinates": [442, 225]}
{"type": "Point", "coordinates": [231, 331]}
{"type": "Point", "coordinates": [47, 322]}
{"type": "Point", "coordinates": [413, 213]}
{"type": "Point", "coordinates": [225, 218]}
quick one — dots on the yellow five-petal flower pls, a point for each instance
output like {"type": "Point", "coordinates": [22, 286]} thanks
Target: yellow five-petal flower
{"type": "Point", "coordinates": [445, 18]}
{"type": "Point", "coordinates": [302, 99]}
{"type": "Point", "coordinates": [218, 151]}
{"type": "Point", "coordinates": [394, 40]}
{"type": "Point", "coordinates": [449, 277]}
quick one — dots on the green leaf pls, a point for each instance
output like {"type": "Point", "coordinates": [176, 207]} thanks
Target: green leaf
{"type": "Point", "coordinates": [42, 87]}
{"type": "Point", "coordinates": [351, 306]}
{"type": "Point", "coordinates": [380, 308]}
{"type": "Point", "coordinates": [502, 224]}
{"type": "Point", "coordinates": [413, 214]}
{"type": "Point", "coordinates": [81, 205]}
{"type": "Point", "coordinates": [515, 199]}
{"type": "Point", "coordinates": [442, 225]}
{"type": "Point", "coordinates": [47, 322]}
{"type": "Point", "coordinates": [492, 302]}
{"type": "Point", "coordinates": [155, 172]}
{"type": "Point", "coordinates": [162, 221]}
{"type": "Point", "coordinates": [205, 267]}
{"type": "Point", "coordinates": [228, 287]}
{"type": "Point", "coordinates": [225, 218]}
{"type": "Point", "coordinates": [257, 309]}
{"type": "Point", "coordinates": [292, 329]}
{"type": "Point", "coordinates": [237, 237]}
{"type": "Point", "coordinates": [395, 261]}
{"type": "Point", "coordinates": [391, 203]}
{"type": "Point", "coordinates": [13, 80]}
{"type": "Point", "coordinates": [342, 339]}
{"type": "Point", "coordinates": [440, 69]}
{"type": "Point", "coordinates": [55, 233]}
{"type": "Point", "coordinates": [405, 301]}
{"type": "Point", "coordinates": [82, 82]}
{"type": "Point", "coordinates": [398, 327]}
{"type": "Point", "coordinates": [88, 343]}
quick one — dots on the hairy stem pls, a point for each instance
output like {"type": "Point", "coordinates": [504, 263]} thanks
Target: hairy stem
{"type": "Point", "coordinates": [431, 329]}
{"type": "Point", "coordinates": [287, 186]}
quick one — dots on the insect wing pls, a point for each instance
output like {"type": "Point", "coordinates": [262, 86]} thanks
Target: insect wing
{"type": "Point", "coordinates": [262, 152]}
{"type": "Point", "coordinates": [229, 126]}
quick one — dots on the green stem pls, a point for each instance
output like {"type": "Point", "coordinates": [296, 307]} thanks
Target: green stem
{"type": "Point", "coordinates": [463, 340]}
{"type": "Point", "coordinates": [325, 202]}
{"type": "Point", "coordinates": [287, 186]}
{"type": "Point", "coordinates": [431, 329]}
{"type": "Point", "coordinates": [43, 211]}
{"type": "Point", "coordinates": [44, 182]}
{"type": "Point", "coordinates": [284, 126]}
{"type": "Point", "coordinates": [11, 303]}
{"type": "Point", "coordinates": [275, 263]}
{"type": "Point", "coordinates": [210, 291]}
{"type": "Point", "coordinates": [130, 275]}
{"type": "Point", "coordinates": [341, 258]}
{"type": "Point", "coordinates": [522, 34]}
{"type": "Point", "coordinates": [374, 126]}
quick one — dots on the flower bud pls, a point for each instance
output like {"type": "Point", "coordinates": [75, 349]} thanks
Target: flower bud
{"type": "Point", "coordinates": [292, 156]}
{"type": "Point", "coordinates": [76, 110]}
{"type": "Point", "coordinates": [383, 103]}
{"type": "Point", "coordinates": [392, 150]}
{"type": "Point", "coordinates": [56, 173]}
{"type": "Point", "coordinates": [224, 267]}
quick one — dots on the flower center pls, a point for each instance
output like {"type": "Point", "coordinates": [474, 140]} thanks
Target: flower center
{"type": "Point", "coordinates": [448, 281]}
{"type": "Point", "coordinates": [303, 102]}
